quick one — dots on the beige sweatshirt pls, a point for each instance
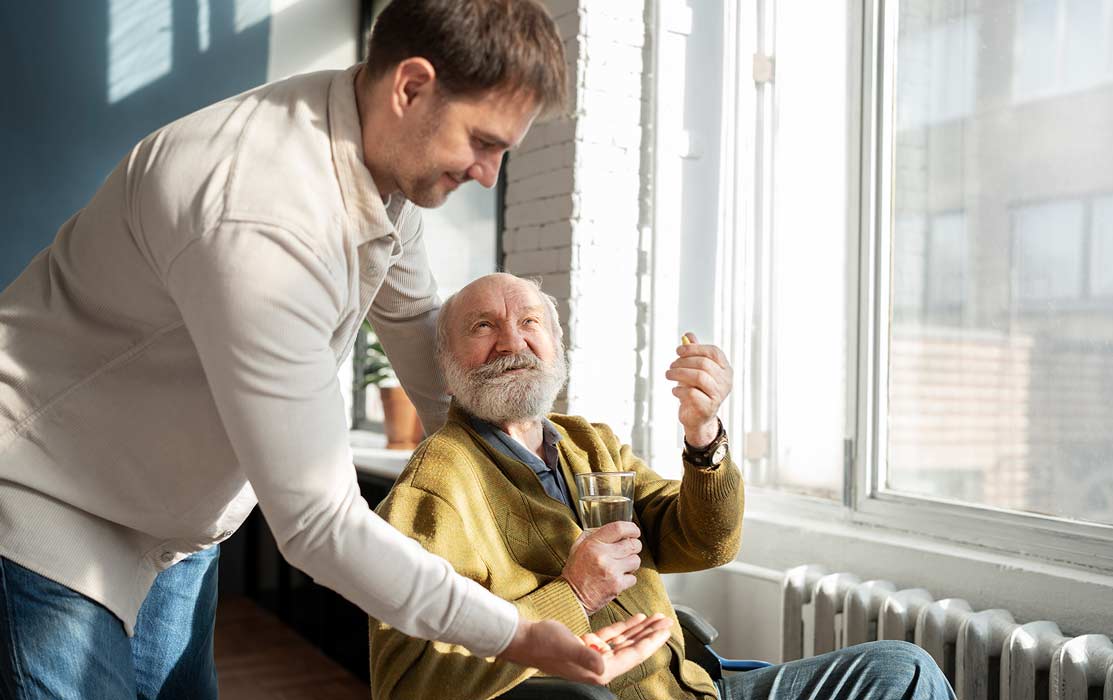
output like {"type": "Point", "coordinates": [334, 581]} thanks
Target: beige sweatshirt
{"type": "Point", "coordinates": [172, 356]}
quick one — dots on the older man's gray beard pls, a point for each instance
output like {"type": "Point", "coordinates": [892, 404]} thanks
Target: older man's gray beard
{"type": "Point", "coordinates": [489, 393]}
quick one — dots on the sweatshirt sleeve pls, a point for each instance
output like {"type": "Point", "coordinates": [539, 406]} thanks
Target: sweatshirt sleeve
{"type": "Point", "coordinates": [261, 308]}
{"type": "Point", "coordinates": [404, 316]}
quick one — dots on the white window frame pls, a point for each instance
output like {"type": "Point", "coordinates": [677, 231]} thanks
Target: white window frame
{"type": "Point", "coordinates": [742, 308]}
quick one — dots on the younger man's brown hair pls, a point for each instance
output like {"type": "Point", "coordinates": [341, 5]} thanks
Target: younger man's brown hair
{"type": "Point", "coordinates": [475, 46]}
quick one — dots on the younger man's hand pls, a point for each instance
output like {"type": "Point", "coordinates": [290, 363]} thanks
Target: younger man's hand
{"type": "Point", "coordinates": [597, 657]}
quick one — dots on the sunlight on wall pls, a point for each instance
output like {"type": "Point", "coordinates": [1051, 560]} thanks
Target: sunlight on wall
{"type": "Point", "coordinates": [303, 38]}
{"type": "Point", "coordinates": [140, 44]}
{"type": "Point", "coordinates": [204, 37]}
{"type": "Point", "coordinates": [251, 12]}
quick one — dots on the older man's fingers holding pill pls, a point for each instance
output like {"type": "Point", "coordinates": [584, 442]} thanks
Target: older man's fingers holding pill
{"type": "Point", "coordinates": [704, 379]}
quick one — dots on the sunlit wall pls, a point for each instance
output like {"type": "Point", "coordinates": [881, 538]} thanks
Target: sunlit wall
{"type": "Point", "coordinates": [85, 81]}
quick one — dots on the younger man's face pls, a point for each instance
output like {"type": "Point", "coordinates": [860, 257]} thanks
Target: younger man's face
{"type": "Point", "coordinates": [452, 140]}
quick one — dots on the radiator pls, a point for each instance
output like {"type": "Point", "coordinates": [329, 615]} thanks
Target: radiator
{"type": "Point", "coordinates": [986, 654]}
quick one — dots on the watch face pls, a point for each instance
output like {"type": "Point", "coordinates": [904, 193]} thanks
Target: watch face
{"type": "Point", "coordinates": [719, 454]}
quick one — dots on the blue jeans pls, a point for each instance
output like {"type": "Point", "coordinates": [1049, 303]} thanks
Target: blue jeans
{"type": "Point", "coordinates": [873, 671]}
{"type": "Point", "coordinates": [56, 643]}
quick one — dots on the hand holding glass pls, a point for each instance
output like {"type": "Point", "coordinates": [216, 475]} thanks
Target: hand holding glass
{"type": "Point", "coordinates": [605, 497]}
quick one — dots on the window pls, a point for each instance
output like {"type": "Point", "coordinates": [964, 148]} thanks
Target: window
{"type": "Point", "coordinates": [803, 320]}
{"type": "Point", "coordinates": [685, 260]}
{"type": "Point", "coordinates": [1101, 256]}
{"type": "Point", "coordinates": [996, 406]}
{"type": "Point", "coordinates": [999, 408]}
{"type": "Point", "coordinates": [1049, 252]}
{"type": "Point", "coordinates": [1061, 257]}
{"type": "Point", "coordinates": [1059, 46]}
{"type": "Point", "coordinates": [919, 300]}
{"type": "Point", "coordinates": [948, 47]}
{"type": "Point", "coordinates": [930, 268]}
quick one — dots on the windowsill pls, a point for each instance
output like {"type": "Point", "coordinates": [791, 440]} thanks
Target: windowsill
{"type": "Point", "coordinates": [371, 456]}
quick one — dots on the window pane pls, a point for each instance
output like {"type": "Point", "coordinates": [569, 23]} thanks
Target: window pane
{"type": "Point", "coordinates": [807, 380]}
{"type": "Point", "coordinates": [1036, 59]}
{"type": "Point", "coordinates": [946, 268]}
{"type": "Point", "coordinates": [1101, 260]}
{"type": "Point", "coordinates": [1000, 354]}
{"type": "Point", "coordinates": [945, 49]}
{"type": "Point", "coordinates": [1084, 54]}
{"type": "Point", "coordinates": [909, 266]}
{"type": "Point", "coordinates": [1049, 252]}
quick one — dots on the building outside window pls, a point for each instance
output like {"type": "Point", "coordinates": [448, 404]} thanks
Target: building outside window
{"type": "Point", "coordinates": [1002, 405]}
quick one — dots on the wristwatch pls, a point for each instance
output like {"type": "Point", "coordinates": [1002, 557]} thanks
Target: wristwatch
{"type": "Point", "coordinates": [712, 455]}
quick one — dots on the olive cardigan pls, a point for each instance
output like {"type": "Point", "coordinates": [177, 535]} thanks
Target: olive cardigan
{"type": "Point", "coordinates": [489, 516]}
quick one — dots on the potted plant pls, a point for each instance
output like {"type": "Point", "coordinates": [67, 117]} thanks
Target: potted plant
{"type": "Point", "coordinates": [400, 421]}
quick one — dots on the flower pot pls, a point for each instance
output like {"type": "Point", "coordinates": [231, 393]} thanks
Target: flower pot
{"type": "Point", "coordinates": [403, 427]}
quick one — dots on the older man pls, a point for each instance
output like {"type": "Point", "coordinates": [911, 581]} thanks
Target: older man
{"type": "Point", "coordinates": [493, 493]}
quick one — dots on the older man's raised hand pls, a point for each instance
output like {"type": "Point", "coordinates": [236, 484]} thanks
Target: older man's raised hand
{"type": "Point", "coordinates": [602, 563]}
{"type": "Point", "coordinates": [704, 378]}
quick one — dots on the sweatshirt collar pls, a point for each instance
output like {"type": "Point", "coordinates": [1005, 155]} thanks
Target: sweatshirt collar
{"type": "Point", "coordinates": [366, 211]}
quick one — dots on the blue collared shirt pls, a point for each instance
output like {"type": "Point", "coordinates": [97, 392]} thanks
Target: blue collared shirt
{"type": "Point", "coordinates": [547, 470]}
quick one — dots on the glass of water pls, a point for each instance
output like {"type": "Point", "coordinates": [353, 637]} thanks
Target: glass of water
{"type": "Point", "coordinates": [605, 497]}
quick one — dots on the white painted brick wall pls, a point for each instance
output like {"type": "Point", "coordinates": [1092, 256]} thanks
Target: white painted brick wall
{"type": "Point", "coordinates": [572, 207]}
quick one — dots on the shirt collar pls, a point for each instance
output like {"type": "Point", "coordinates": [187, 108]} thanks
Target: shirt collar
{"type": "Point", "coordinates": [364, 206]}
{"type": "Point", "coordinates": [499, 439]}
{"type": "Point", "coordinates": [549, 433]}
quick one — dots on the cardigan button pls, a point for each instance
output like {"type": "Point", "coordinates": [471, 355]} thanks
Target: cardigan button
{"type": "Point", "coordinates": [167, 557]}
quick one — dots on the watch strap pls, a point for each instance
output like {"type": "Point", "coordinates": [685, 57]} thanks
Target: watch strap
{"type": "Point", "coordinates": [701, 457]}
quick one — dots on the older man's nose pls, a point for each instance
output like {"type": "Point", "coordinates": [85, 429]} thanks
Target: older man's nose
{"type": "Point", "coordinates": [511, 340]}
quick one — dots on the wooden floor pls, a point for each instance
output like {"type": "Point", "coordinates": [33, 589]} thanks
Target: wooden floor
{"type": "Point", "coordinates": [258, 657]}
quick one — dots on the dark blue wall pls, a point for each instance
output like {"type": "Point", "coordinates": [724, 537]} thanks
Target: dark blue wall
{"type": "Point", "coordinates": [59, 134]}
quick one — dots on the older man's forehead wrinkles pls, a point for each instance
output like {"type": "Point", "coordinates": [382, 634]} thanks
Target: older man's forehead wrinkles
{"type": "Point", "coordinates": [486, 315]}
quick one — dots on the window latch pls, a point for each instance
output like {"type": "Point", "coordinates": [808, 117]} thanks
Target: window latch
{"type": "Point", "coordinates": [764, 68]}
